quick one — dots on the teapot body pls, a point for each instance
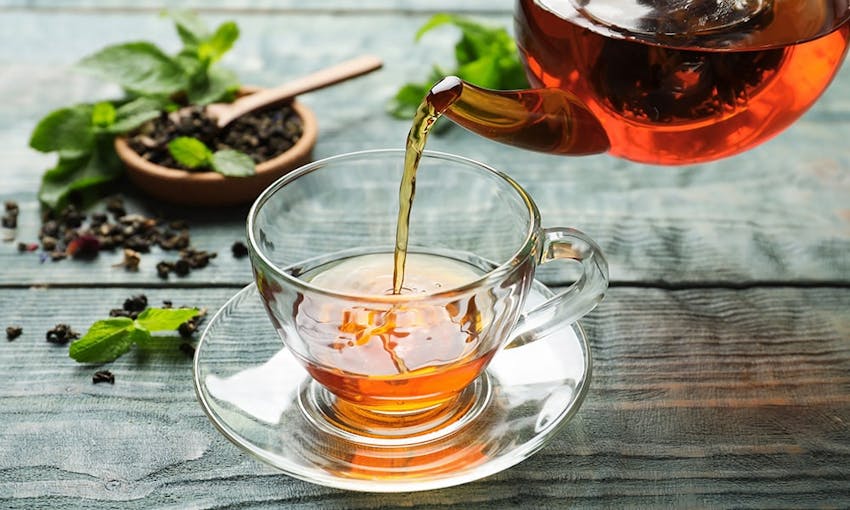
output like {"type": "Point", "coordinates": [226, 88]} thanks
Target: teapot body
{"type": "Point", "coordinates": [701, 95]}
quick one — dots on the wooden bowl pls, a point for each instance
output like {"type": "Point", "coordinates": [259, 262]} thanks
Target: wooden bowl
{"type": "Point", "coordinates": [211, 188]}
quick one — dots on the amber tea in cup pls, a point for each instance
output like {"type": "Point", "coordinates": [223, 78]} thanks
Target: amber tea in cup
{"type": "Point", "coordinates": [415, 354]}
{"type": "Point", "coordinates": [387, 364]}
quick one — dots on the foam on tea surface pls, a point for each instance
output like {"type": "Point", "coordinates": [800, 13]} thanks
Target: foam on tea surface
{"type": "Point", "coordinates": [371, 275]}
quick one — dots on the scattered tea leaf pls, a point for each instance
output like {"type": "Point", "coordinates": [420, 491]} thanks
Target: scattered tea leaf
{"type": "Point", "coordinates": [233, 163]}
{"type": "Point", "coordinates": [103, 376]}
{"type": "Point", "coordinates": [239, 250]}
{"type": "Point", "coordinates": [136, 303]}
{"type": "Point", "coordinates": [61, 334]}
{"type": "Point", "coordinates": [13, 332]}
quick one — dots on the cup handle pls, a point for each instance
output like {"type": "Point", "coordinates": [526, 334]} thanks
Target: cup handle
{"type": "Point", "coordinates": [574, 302]}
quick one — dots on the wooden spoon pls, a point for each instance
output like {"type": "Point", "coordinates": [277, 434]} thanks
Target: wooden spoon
{"type": "Point", "coordinates": [224, 113]}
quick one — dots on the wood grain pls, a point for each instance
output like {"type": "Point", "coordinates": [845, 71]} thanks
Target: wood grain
{"type": "Point", "coordinates": [265, 5]}
{"type": "Point", "coordinates": [707, 398]}
{"type": "Point", "coordinates": [777, 214]}
{"type": "Point", "coordinates": [722, 353]}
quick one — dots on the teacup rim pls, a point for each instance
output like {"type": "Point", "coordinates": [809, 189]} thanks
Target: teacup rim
{"type": "Point", "coordinates": [527, 248]}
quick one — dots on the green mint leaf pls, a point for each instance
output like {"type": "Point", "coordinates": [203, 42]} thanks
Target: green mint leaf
{"type": "Point", "coordinates": [512, 73]}
{"type": "Point", "coordinates": [65, 167]}
{"type": "Point", "coordinates": [108, 339]}
{"type": "Point", "coordinates": [103, 114]}
{"type": "Point", "coordinates": [476, 39]}
{"type": "Point", "coordinates": [409, 96]}
{"type": "Point", "coordinates": [485, 56]}
{"type": "Point", "coordinates": [140, 336]}
{"type": "Point", "coordinates": [233, 163]}
{"type": "Point", "coordinates": [190, 28]}
{"type": "Point", "coordinates": [220, 43]}
{"type": "Point", "coordinates": [80, 175]}
{"type": "Point", "coordinates": [435, 21]}
{"type": "Point", "coordinates": [218, 85]}
{"type": "Point", "coordinates": [190, 152]}
{"type": "Point", "coordinates": [160, 342]}
{"type": "Point", "coordinates": [67, 130]}
{"type": "Point", "coordinates": [165, 319]}
{"type": "Point", "coordinates": [483, 72]}
{"type": "Point", "coordinates": [407, 99]}
{"type": "Point", "coordinates": [133, 114]}
{"type": "Point", "coordinates": [192, 66]}
{"type": "Point", "coordinates": [475, 44]}
{"type": "Point", "coordinates": [139, 66]}
{"type": "Point", "coordinates": [105, 341]}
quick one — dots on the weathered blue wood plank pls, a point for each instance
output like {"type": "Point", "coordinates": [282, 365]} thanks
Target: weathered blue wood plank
{"type": "Point", "coordinates": [266, 5]}
{"type": "Point", "coordinates": [778, 213]}
{"type": "Point", "coordinates": [699, 398]}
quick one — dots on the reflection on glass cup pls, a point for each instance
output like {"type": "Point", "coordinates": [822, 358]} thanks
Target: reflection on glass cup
{"type": "Point", "coordinates": [322, 240]}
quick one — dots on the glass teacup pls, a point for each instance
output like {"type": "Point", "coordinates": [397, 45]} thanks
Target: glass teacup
{"type": "Point", "coordinates": [407, 364]}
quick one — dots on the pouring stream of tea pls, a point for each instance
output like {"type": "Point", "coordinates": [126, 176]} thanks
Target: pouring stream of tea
{"type": "Point", "coordinates": [441, 96]}
{"type": "Point", "coordinates": [546, 120]}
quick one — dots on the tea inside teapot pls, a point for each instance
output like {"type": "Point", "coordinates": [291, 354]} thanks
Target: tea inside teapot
{"type": "Point", "coordinates": [661, 81]}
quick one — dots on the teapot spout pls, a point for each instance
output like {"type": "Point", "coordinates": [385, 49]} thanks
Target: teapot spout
{"type": "Point", "coordinates": [546, 120]}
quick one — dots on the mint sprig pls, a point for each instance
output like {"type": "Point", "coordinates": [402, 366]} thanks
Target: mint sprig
{"type": "Point", "coordinates": [83, 134]}
{"type": "Point", "coordinates": [68, 131]}
{"type": "Point", "coordinates": [83, 175]}
{"type": "Point", "coordinates": [485, 56]}
{"type": "Point", "coordinates": [139, 67]}
{"type": "Point", "coordinates": [108, 339]}
{"type": "Point", "coordinates": [143, 69]}
{"type": "Point", "coordinates": [83, 137]}
{"type": "Point", "coordinates": [194, 154]}
{"type": "Point", "coordinates": [165, 319]}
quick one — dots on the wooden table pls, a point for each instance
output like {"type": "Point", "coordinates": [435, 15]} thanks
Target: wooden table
{"type": "Point", "coordinates": [722, 352]}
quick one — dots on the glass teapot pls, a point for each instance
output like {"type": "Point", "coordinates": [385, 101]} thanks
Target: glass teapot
{"type": "Point", "coordinates": [658, 81]}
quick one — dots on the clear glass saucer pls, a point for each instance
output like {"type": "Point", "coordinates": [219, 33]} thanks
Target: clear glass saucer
{"type": "Point", "coordinates": [259, 397]}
